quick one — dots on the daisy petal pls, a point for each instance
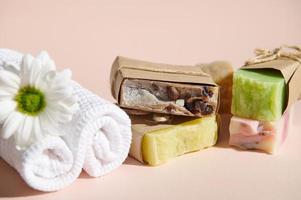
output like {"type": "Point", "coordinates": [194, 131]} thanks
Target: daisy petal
{"type": "Point", "coordinates": [66, 74]}
{"type": "Point", "coordinates": [47, 119]}
{"type": "Point", "coordinates": [70, 101]}
{"type": "Point", "coordinates": [62, 78]}
{"type": "Point", "coordinates": [34, 72]}
{"type": "Point", "coordinates": [60, 112]}
{"type": "Point", "coordinates": [52, 127]}
{"type": "Point", "coordinates": [25, 67]}
{"type": "Point", "coordinates": [8, 90]}
{"type": "Point", "coordinates": [47, 62]}
{"type": "Point", "coordinates": [14, 68]}
{"type": "Point", "coordinates": [68, 105]}
{"type": "Point", "coordinates": [6, 108]}
{"type": "Point", "coordinates": [6, 95]}
{"type": "Point", "coordinates": [11, 124]}
{"type": "Point", "coordinates": [60, 107]}
{"type": "Point", "coordinates": [9, 79]}
{"type": "Point", "coordinates": [23, 135]}
{"type": "Point", "coordinates": [54, 95]}
{"type": "Point", "coordinates": [37, 130]}
{"type": "Point", "coordinates": [26, 64]}
{"type": "Point", "coordinates": [50, 65]}
{"type": "Point", "coordinates": [43, 56]}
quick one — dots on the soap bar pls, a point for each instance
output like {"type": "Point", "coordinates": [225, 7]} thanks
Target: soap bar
{"type": "Point", "coordinates": [168, 97]}
{"type": "Point", "coordinates": [163, 88]}
{"type": "Point", "coordinates": [155, 144]}
{"type": "Point", "coordinates": [259, 135]}
{"type": "Point", "coordinates": [258, 94]}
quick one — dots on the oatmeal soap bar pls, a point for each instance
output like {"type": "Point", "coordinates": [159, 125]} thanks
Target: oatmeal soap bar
{"type": "Point", "coordinates": [155, 144]}
{"type": "Point", "coordinates": [258, 94]}
{"type": "Point", "coordinates": [162, 88]}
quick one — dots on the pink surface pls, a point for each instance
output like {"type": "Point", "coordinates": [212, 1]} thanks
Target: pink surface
{"type": "Point", "coordinates": [252, 134]}
{"type": "Point", "coordinates": [86, 36]}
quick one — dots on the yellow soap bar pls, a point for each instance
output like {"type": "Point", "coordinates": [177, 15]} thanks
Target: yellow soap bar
{"type": "Point", "coordinates": [158, 146]}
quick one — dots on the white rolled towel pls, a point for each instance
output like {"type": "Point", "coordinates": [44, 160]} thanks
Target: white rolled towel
{"type": "Point", "coordinates": [103, 129]}
{"type": "Point", "coordinates": [47, 165]}
{"type": "Point", "coordinates": [97, 139]}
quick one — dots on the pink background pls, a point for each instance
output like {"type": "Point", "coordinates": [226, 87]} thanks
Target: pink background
{"type": "Point", "coordinates": [86, 35]}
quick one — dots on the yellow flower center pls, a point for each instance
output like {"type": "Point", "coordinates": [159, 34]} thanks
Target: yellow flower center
{"type": "Point", "coordinates": [30, 101]}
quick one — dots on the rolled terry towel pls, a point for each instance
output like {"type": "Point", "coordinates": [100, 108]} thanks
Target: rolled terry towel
{"type": "Point", "coordinates": [101, 128]}
{"type": "Point", "coordinates": [46, 165]}
{"type": "Point", "coordinates": [97, 139]}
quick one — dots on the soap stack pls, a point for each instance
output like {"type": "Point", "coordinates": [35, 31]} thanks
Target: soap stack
{"type": "Point", "coordinates": [263, 92]}
{"type": "Point", "coordinates": [173, 108]}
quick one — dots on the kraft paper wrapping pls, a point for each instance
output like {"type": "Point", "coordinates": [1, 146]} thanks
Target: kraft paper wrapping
{"type": "Point", "coordinates": [127, 68]}
{"type": "Point", "coordinates": [222, 74]}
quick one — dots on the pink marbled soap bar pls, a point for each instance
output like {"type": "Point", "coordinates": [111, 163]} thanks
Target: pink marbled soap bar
{"type": "Point", "coordinates": [258, 135]}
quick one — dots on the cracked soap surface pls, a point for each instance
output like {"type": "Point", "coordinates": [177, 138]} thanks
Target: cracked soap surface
{"type": "Point", "coordinates": [258, 94]}
{"type": "Point", "coordinates": [169, 98]}
{"type": "Point", "coordinates": [161, 145]}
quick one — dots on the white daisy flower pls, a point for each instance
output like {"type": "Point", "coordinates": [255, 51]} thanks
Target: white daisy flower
{"type": "Point", "coordinates": [34, 99]}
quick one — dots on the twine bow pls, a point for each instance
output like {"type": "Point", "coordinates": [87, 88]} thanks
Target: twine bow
{"type": "Point", "coordinates": [284, 51]}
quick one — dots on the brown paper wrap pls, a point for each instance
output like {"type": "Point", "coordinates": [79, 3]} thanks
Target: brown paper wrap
{"type": "Point", "coordinates": [222, 74]}
{"type": "Point", "coordinates": [125, 68]}
{"type": "Point", "coordinates": [285, 62]}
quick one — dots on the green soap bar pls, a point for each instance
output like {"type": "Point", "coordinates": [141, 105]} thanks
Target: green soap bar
{"type": "Point", "coordinates": [258, 94]}
{"type": "Point", "coordinates": [160, 145]}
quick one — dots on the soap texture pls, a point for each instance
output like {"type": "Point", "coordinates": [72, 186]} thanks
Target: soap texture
{"type": "Point", "coordinates": [161, 145]}
{"type": "Point", "coordinates": [163, 88]}
{"type": "Point", "coordinates": [259, 135]}
{"type": "Point", "coordinates": [258, 94]}
{"type": "Point", "coordinates": [169, 98]}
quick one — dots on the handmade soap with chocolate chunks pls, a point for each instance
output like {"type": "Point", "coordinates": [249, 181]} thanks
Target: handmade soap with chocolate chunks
{"type": "Point", "coordinates": [162, 88]}
{"type": "Point", "coordinates": [168, 97]}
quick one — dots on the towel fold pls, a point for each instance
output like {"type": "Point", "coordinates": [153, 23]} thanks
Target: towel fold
{"type": "Point", "coordinates": [46, 165]}
{"type": "Point", "coordinates": [97, 139]}
{"type": "Point", "coordinates": [103, 129]}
